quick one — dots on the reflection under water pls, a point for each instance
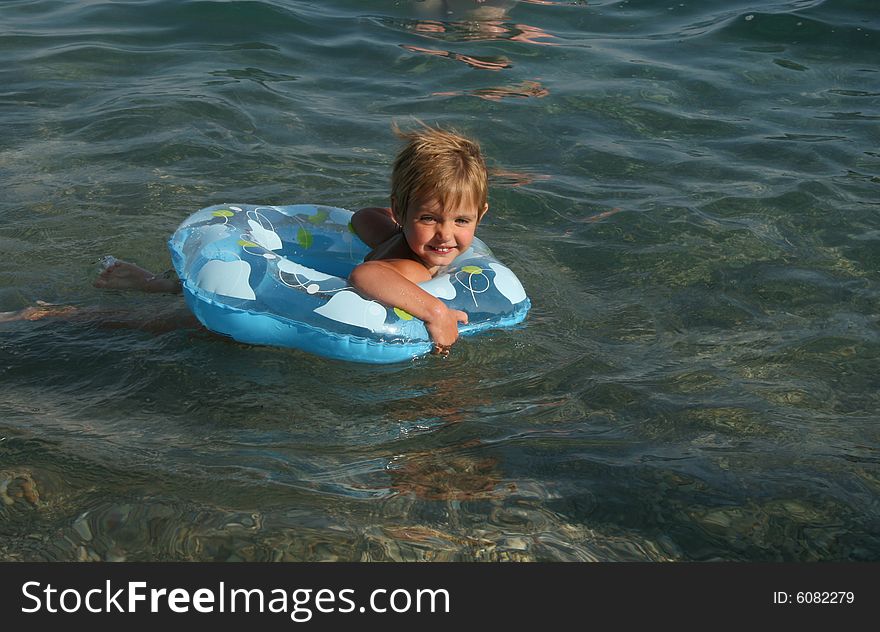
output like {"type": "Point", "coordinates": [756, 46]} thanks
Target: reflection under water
{"type": "Point", "coordinates": [486, 30]}
{"type": "Point", "coordinates": [522, 90]}
{"type": "Point", "coordinates": [465, 9]}
{"type": "Point", "coordinates": [482, 30]}
{"type": "Point", "coordinates": [481, 63]}
{"type": "Point", "coordinates": [452, 473]}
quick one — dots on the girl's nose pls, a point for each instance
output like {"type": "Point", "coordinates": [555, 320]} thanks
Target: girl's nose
{"type": "Point", "coordinates": [444, 230]}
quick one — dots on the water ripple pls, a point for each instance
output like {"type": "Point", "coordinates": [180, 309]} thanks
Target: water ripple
{"type": "Point", "coordinates": [687, 192]}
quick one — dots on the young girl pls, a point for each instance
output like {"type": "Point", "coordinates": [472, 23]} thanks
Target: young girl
{"type": "Point", "coordinates": [439, 188]}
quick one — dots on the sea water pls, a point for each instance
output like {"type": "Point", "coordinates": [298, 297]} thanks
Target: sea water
{"type": "Point", "coordinates": [688, 191]}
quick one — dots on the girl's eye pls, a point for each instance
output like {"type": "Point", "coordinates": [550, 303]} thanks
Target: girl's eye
{"type": "Point", "coordinates": [427, 218]}
{"type": "Point", "coordinates": [463, 221]}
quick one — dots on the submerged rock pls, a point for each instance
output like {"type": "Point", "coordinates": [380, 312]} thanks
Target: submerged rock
{"type": "Point", "coordinates": [18, 484]}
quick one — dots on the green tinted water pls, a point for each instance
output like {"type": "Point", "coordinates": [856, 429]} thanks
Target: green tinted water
{"type": "Point", "coordinates": [688, 192]}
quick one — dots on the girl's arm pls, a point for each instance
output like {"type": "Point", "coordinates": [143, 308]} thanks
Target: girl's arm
{"type": "Point", "coordinates": [393, 283]}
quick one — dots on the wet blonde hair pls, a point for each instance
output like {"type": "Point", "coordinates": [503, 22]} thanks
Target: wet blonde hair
{"type": "Point", "coordinates": [441, 163]}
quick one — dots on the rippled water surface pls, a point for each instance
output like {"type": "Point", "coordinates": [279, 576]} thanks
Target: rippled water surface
{"type": "Point", "coordinates": [688, 191]}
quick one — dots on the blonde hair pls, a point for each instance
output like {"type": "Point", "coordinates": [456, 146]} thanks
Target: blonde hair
{"type": "Point", "coordinates": [441, 163]}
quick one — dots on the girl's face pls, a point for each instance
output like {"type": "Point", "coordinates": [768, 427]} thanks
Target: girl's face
{"type": "Point", "coordinates": [436, 234]}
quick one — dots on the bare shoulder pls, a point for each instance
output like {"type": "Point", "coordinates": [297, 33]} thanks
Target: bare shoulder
{"type": "Point", "coordinates": [374, 225]}
{"type": "Point", "coordinates": [377, 211]}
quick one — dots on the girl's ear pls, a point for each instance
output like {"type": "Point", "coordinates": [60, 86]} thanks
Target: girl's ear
{"type": "Point", "coordinates": [483, 212]}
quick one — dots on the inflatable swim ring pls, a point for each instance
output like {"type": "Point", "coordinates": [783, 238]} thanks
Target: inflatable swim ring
{"type": "Point", "coordinates": [277, 275]}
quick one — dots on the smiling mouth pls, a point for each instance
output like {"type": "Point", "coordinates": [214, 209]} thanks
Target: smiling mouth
{"type": "Point", "coordinates": [441, 250]}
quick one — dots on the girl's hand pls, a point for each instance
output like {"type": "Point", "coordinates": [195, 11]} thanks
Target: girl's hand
{"type": "Point", "coordinates": [443, 328]}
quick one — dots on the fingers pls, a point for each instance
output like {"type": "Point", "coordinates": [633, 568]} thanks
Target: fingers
{"type": "Point", "coordinates": [444, 332]}
{"type": "Point", "coordinates": [441, 350]}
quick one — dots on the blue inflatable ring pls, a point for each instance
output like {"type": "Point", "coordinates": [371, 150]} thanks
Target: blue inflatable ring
{"type": "Point", "coordinates": [277, 275]}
